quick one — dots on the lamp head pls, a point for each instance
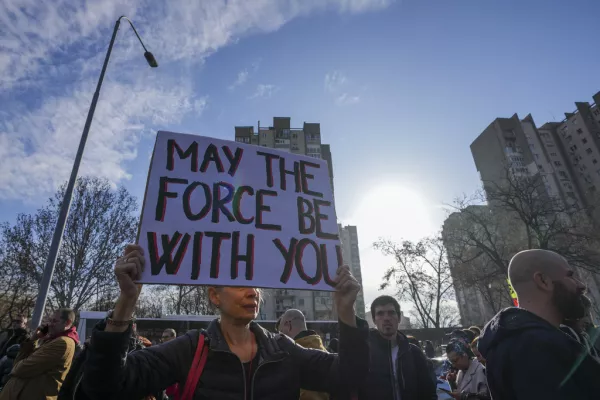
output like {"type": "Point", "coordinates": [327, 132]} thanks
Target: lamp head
{"type": "Point", "coordinates": [151, 60]}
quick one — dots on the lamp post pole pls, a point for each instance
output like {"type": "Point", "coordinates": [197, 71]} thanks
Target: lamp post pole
{"type": "Point", "coordinates": [40, 303]}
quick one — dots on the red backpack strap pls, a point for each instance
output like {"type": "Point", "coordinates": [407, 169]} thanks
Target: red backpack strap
{"type": "Point", "coordinates": [200, 356]}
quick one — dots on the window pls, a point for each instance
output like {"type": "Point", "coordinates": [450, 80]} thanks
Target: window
{"type": "Point", "coordinates": [562, 174]}
{"type": "Point", "coordinates": [300, 302]}
{"type": "Point", "coordinates": [553, 155]}
{"type": "Point", "coordinates": [537, 156]}
{"type": "Point", "coordinates": [557, 163]}
{"type": "Point", "coordinates": [588, 150]}
{"type": "Point", "coordinates": [579, 130]}
{"type": "Point", "coordinates": [264, 135]}
{"type": "Point", "coordinates": [574, 121]}
{"type": "Point", "coordinates": [541, 168]}
{"type": "Point", "coordinates": [597, 111]}
{"type": "Point", "coordinates": [594, 161]}
{"type": "Point", "coordinates": [294, 136]}
{"type": "Point", "coordinates": [584, 140]}
{"type": "Point", "coordinates": [574, 147]}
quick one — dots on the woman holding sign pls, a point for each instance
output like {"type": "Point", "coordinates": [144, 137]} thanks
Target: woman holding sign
{"type": "Point", "coordinates": [234, 358]}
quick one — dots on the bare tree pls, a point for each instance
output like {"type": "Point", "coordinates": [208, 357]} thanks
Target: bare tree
{"type": "Point", "coordinates": [422, 277]}
{"type": "Point", "coordinates": [17, 289]}
{"type": "Point", "coordinates": [100, 223]}
{"type": "Point", "coordinates": [549, 222]}
{"type": "Point", "coordinates": [519, 214]}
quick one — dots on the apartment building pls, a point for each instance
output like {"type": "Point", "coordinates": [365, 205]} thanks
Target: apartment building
{"type": "Point", "coordinates": [351, 256]}
{"type": "Point", "coordinates": [566, 155]}
{"type": "Point", "coordinates": [477, 302]}
{"type": "Point", "coordinates": [578, 137]}
{"type": "Point", "coordinates": [316, 305]}
{"type": "Point", "coordinates": [281, 136]}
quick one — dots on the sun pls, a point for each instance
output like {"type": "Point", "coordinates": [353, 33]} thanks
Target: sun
{"type": "Point", "coordinates": [394, 212]}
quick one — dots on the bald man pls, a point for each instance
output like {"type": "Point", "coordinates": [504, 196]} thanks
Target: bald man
{"type": "Point", "coordinates": [168, 335]}
{"type": "Point", "coordinates": [293, 324]}
{"type": "Point", "coordinates": [528, 356]}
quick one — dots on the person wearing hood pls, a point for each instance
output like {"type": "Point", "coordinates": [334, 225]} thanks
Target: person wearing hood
{"type": "Point", "coordinates": [293, 324]}
{"type": "Point", "coordinates": [38, 373]}
{"type": "Point", "coordinates": [397, 369]}
{"type": "Point", "coordinates": [528, 356]}
{"type": "Point", "coordinates": [470, 382]}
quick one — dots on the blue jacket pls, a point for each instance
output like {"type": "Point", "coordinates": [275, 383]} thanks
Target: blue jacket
{"type": "Point", "coordinates": [528, 358]}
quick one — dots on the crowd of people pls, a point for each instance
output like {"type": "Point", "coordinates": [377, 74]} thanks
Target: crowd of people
{"type": "Point", "coordinates": [543, 349]}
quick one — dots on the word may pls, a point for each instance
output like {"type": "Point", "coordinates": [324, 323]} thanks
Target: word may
{"type": "Point", "coordinates": [211, 155]}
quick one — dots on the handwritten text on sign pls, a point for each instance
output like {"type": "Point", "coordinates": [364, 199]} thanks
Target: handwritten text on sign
{"type": "Point", "coordinates": [224, 213]}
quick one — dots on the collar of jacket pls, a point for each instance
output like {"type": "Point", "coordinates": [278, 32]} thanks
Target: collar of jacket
{"type": "Point", "coordinates": [268, 347]}
{"type": "Point", "coordinates": [305, 333]}
{"type": "Point", "coordinates": [401, 340]}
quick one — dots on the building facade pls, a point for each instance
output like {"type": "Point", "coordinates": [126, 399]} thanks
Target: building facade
{"type": "Point", "coordinates": [477, 301]}
{"type": "Point", "coordinates": [351, 256]}
{"type": "Point", "coordinates": [565, 155]}
{"type": "Point", "coordinates": [316, 305]}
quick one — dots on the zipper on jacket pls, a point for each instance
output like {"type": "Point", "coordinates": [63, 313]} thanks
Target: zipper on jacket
{"type": "Point", "coordinates": [392, 374]}
{"type": "Point", "coordinates": [255, 372]}
{"type": "Point", "coordinates": [241, 364]}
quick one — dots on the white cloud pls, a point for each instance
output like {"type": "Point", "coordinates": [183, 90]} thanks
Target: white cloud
{"type": "Point", "coordinates": [336, 84]}
{"type": "Point", "coordinates": [200, 105]}
{"type": "Point", "coordinates": [264, 91]}
{"type": "Point", "coordinates": [345, 99]}
{"type": "Point", "coordinates": [50, 55]}
{"type": "Point", "coordinates": [37, 148]}
{"type": "Point", "coordinates": [242, 77]}
{"type": "Point", "coordinates": [334, 81]}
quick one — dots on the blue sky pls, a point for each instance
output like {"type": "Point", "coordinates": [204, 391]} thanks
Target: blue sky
{"type": "Point", "coordinates": [401, 88]}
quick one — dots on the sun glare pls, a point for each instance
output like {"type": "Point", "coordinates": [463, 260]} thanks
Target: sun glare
{"type": "Point", "coordinates": [393, 212]}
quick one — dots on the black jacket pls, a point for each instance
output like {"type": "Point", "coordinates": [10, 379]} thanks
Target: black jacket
{"type": "Point", "coordinates": [528, 358]}
{"type": "Point", "coordinates": [15, 336]}
{"type": "Point", "coordinates": [7, 362]}
{"type": "Point", "coordinates": [413, 372]}
{"type": "Point", "coordinates": [71, 388]}
{"type": "Point", "coordinates": [282, 369]}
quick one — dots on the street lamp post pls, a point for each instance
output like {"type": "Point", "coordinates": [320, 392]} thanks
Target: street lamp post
{"type": "Point", "coordinates": [40, 303]}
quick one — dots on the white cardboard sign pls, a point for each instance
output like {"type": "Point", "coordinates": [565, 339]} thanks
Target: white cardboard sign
{"type": "Point", "coordinates": [224, 213]}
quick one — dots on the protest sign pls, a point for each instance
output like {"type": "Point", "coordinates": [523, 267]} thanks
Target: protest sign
{"type": "Point", "coordinates": [224, 213]}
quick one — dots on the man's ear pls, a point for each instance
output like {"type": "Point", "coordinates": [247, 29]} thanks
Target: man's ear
{"type": "Point", "coordinates": [543, 282]}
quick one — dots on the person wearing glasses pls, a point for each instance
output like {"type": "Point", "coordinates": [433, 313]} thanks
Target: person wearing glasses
{"type": "Point", "coordinates": [16, 334]}
{"type": "Point", "coordinates": [397, 370]}
{"type": "Point", "coordinates": [168, 335]}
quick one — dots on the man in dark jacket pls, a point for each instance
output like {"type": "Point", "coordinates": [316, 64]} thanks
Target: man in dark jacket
{"type": "Point", "coordinates": [15, 335]}
{"type": "Point", "coordinates": [397, 369]}
{"type": "Point", "coordinates": [528, 357]}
